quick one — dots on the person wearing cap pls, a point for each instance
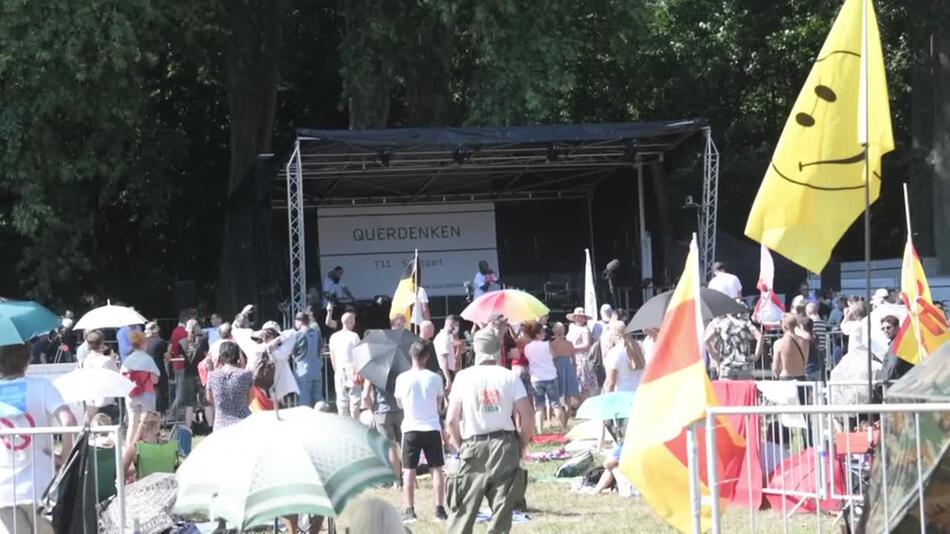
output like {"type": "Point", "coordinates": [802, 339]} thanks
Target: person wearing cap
{"type": "Point", "coordinates": [308, 367]}
{"type": "Point", "coordinates": [348, 390]}
{"type": "Point", "coordinates": [725, 282]}
{"type": "Point", "coordinates": [140, 368]}
{"type": "Point", "coordinates": [279, 346]}
{"type": "Point", "coordinates": [483, 403]}
{"type": "Point", "coordinates": [578, 333]}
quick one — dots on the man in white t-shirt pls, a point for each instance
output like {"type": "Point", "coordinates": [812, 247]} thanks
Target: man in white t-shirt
{"type": "Point", "coordinates": [420, 310]}
{"type": "Point", "coordinates": [334, 290]}
{"type": "Point", "coordinates": [486, 280]}
{"type": "Point", "coordinates": [341, 343]}
{"type": "Point", "coordinates": [444, 343]}
{"type": "Point", "coordinates": [419, 393]}
{"type": "Point", "coordinates": [480, 421]}
{"type": "Point", "coordinates": [27, 462]}
{"type": "Point", "coordinates": [724, 282]}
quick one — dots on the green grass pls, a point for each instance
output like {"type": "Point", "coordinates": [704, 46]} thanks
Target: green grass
{"type": "Point", "coordinates": [555, 510]}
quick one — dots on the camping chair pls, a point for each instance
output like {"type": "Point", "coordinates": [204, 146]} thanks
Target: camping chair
{"type": "Point", "coordinates": [155, 458]}
{"type": "Point", "coordinates": [104, 462]}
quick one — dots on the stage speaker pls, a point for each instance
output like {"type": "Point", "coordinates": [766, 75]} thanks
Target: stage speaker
{"type": "Point", "coordinates": [186, 295]}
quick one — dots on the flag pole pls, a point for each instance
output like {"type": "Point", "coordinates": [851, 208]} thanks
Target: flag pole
{"type": "Point", "coordinates": [415, 329]}
{"type": "Point", "coordinates": [867, 189]}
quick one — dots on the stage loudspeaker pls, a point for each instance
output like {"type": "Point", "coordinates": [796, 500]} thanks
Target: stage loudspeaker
{"type": "Point", "coordinates": [186, 295]}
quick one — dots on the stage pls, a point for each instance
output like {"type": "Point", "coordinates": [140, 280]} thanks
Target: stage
{"type": "Point", "coordinates": [527, 199]}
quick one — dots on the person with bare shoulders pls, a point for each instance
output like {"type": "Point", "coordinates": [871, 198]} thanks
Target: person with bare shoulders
{"type": "Point", "coordinates": [790, 354]}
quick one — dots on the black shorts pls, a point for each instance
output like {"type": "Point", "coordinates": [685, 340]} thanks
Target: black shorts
{"type": "Point", "coordinates": [429, 442]}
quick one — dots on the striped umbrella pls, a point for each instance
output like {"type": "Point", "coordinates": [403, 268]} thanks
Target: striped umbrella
{"type": "Point", "coordinates": [274, 464]}
{"type": "Point", "coordinates": [517, 306]}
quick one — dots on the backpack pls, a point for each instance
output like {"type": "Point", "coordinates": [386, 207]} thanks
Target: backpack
{"type": "Point", "coordinates": [264, 372]}
{"type": "Point", "coordinates": [595, 363]}
{"type": "Point", "coordinates": [576, 466]}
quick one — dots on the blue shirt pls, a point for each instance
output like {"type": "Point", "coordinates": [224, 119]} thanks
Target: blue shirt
{"type": "Point", "coordinates": [307, 353]}
{"type": "Point", "coordinates": [125, 344]}
{"type": "Point", "coordinates": [212, 334]}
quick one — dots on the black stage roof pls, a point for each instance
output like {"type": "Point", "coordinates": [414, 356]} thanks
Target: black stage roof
{"type": "Point", "coordinates": [462, 164]}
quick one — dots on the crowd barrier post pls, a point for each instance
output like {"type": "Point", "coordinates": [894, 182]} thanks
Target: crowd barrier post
{"type": "Point", "coordinates": [712, 469]}
{"type": "Point", "coordinates": [695, 492]}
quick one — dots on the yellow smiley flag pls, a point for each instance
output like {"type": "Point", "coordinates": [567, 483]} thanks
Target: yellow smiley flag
{"type": "Point", "coordinates": [813, 189]}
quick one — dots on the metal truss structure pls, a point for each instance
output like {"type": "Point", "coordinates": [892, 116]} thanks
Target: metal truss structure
{"type": "Point", "coordinates": [449, 165]}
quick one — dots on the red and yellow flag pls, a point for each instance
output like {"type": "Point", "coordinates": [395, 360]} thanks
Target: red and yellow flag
{"type": "Point", "coordinates": [674, 392]}
{"type": "Point", "coordinates": [925, 328]}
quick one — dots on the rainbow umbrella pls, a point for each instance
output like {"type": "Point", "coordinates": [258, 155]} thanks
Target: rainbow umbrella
{"type": "Point", "coordinates": [517, 306]}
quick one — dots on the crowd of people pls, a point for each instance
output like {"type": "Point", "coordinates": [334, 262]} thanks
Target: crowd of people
{"type": "Point", "coordinates": [476, 397]}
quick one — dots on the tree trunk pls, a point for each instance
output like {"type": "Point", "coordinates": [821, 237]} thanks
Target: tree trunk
{"type": "Point", "coordinates": [251, 61]}
{"type": "Point", "coordinates": [368, 58]}
{"type": "Point", "coordinates": [940, 148]}
{"type": "Point", "coordinates": [428, 94]}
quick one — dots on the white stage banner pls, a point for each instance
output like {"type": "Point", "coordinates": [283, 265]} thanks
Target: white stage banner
{"type": "Point", "coordinates": [374, 244]}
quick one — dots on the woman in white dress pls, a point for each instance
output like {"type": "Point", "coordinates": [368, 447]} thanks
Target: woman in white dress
{"type": "Point", "coordinates": [578, 333]}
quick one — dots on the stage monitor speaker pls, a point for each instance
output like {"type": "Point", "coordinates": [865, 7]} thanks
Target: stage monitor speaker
{"type": "Point", "coordinates": [186, 295]}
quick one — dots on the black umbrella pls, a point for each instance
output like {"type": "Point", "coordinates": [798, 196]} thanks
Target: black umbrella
{"type": "Point", "coordinates": [384, 354]}
{"type": "Point", "coordinates": [712, 302]}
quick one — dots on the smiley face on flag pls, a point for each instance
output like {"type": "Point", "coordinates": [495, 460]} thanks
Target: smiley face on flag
{"type": "Point", "coordinates": [814, 186]}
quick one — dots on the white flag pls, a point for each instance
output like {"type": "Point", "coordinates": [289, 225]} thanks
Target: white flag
{"type": "Point", "coordinates": [590, 294]}
{"type": "Point", "coordinates": [769, 309]}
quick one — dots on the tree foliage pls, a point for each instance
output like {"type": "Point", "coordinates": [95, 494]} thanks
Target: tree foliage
{"type": "Point", "coordinates": [127, 127]}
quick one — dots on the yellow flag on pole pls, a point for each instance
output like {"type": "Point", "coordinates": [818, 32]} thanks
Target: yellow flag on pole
{"type": "Point", "coordinates": [813, 189]}
{"type": "Point", "coordinates": [925, 328]}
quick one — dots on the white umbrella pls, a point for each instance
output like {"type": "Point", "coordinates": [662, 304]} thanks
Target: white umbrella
{"type": "Point", "coordinates": [85, 384]}
{"type": "Point", "coordinates": [109, 316]}
{"type": "Point", "coordinates": [299, 461]}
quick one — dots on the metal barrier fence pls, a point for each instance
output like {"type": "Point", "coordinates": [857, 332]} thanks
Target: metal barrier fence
{"type": "Point", "coordinates": [835, 446]}
{"type": "Point", "coordinates": [31, 451]}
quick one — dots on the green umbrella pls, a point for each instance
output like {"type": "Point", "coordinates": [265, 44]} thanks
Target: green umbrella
{"type": "Point", "coordinates": [297, 461]}
{"type": "Point", "coordinates": [23, 320]}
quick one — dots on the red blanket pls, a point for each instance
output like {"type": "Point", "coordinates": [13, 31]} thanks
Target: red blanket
{"type": "Point", "coordinates": [548, 439]}
{"type": "Point", "coordinates": [748, 489]}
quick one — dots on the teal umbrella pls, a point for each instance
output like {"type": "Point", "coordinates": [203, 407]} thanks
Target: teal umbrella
{"type": "Point", "coordinates": [23, 320]}
{"type": "Point", "coordinates": [607, 407]}
{"type": "Point", "coordinates": [274, 464]}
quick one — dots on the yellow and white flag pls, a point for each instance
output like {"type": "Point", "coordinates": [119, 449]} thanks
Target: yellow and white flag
{"type": "Point", "coordinates": [813, 189]}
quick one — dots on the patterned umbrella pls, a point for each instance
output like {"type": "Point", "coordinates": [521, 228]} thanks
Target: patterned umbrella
{"type": "Point", "coordinates": [517, 306]}
{"type": "Point", "coordinates": [148, 506]}
{"type": "Point", "coordinates": [297, 461]}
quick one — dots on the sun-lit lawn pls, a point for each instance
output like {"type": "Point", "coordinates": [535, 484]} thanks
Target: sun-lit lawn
{"type": "Point", "coordinates": [554, 509]}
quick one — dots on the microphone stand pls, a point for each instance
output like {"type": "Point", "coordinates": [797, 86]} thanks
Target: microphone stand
{"type": "Point", "coordinates": [613, 291]}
